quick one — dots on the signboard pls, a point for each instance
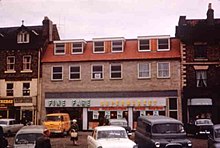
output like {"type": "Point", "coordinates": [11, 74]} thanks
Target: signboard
{"type": "Point", "coordinates": [5, 102]}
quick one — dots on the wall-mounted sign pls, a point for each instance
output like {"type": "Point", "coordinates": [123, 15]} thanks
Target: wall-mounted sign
{"type": "Point", "coordinates": [67, 103]}
{"type": "Point", "coordinates": [6, 102]}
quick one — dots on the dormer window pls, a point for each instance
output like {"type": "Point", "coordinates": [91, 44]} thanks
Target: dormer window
{"type": "Point", "coordinates": [98, 47]}
{"type": "Point", "coordinates": [59, 48]}
{"type": "Point", "coordinates": [144, 45]}
{"type": "Point", "coordinates": [23, 37]}
{"type": "Point", "coordinates": [163, 44]}
{"type": "Point", "coordinates": [117, 46]}
{"type": "Point", "coordinates": [77, 48]}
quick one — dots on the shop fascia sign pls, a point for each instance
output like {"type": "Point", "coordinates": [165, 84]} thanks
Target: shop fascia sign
{"type": "Point", "coordinates": [107, 102]}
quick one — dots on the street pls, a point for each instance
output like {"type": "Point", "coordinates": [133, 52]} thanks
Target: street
{"type": "Point", "coordinates": [65, 142]}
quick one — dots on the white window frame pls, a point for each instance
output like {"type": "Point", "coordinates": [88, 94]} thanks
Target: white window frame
{"type": "Point", "coordinates": [201, 75]}
{"type": "Point", "coordinates": [26, 90]}
{"type": "Point", "coordinates": [26, 63]}
{"type": "Point", "coordinates": [10, 63]}
{"type": "Point", "coordinates": [159, 49]}
{"type": "Point", "coordinates": [75, 72]}
{"type": "Point", "coordinates": [77, 48]}
{"type": "Point", "coordinates": [23, 37]}
{"type": "Point", "coordinates": [139, 45]}
{"type": "Point", "coordinates": [97, 72]}
{"type": "Point", "coordinates": [158, 76]}
{"type": "Point", "coordinates": [116, 64]}
{"type": "Point", "coordinates": [117, 46]}
{"type": "Point", "coordinates": [59, 53]}
{"type": "Point", "coordinates": [143, 71]}
{"type": "Point", "coordinates": [10, 90]}
{"type": "Point", "coordinates": [52, 73]}
{"type": "Point", "coordinates": [99, 47]}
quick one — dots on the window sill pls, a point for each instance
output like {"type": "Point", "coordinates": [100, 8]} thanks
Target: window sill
{"type": "Point", "coordinates": [101, 79]}
{"type": "Point", "coordinates": [10, 71]}
{"type": "Point", "coordinates": [26, 71]}
{"type": "Point", "coordinates": [200, 59]}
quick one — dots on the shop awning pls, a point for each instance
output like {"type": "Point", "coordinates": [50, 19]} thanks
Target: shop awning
{"type": "Point", "coordinates": [199, 101]}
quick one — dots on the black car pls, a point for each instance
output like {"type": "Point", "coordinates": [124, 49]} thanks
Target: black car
{"type": "Point", "coordinates": [200, 127]}
{"type": "Point", "coordinates": [121, 122]}
{"type": "Point", "coordinates": [214, 137]}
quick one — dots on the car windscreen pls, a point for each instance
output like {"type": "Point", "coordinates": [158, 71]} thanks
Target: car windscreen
{"type": "Point", "coordinates": [27, 138]}
{"type": "Point", "coordinates": [118, 123]}
{"type": "Point", "coordinates": [203, 121]}
{"type": "Point", "coordinates": [3, 122]}
{"type": "Point", "coordinates": [54, 118]}
{"type": "Point", "coordinates": [168, 128]}
{"type": "Point", "coordinates": [112, 134]}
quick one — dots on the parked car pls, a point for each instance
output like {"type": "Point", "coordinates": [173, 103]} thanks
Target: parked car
{"type": "Point", "coordinates": [121, 122]}
{"type": "Point", "coordinates": [214, 137]}
{"type": "Point", "coordinates": [10, 126]}
{"type": "Point", "coordinates": [160, 132]}
{"type": "Point", "coordinates": [57, 123]}
{"type": "Point", "coordinates": [26, 137]}
{"type": "Point", "coordinates": [200, 127]}
{"type": "Point", "coordinates": [109, 137]}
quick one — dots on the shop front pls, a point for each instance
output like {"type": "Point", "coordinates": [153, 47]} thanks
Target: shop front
{"type": "Point", "coordinates": [90, 111]}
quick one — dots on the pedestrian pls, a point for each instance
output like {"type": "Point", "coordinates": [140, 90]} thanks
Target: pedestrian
{"type": "Point", "coordinates": [3, 140]}
{"type": "Point", "coordinates": [44, 141]}
{"type": "Point", "coordinates": [74, 132]}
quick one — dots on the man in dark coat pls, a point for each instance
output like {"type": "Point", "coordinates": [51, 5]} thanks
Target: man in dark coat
{"type": "Point", "coordinates": [44, 141]}
{"type": "Point", "coordinates": [3, 140]}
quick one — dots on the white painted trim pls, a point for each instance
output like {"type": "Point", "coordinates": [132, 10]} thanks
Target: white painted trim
{"type": "Point", "coordinates": [154, 37]}
{"type": "Point", "coordinates": [79, 72]}
{"type": "Point", "coordinates": [108, 39]}
{"type": "Point", "coordinates": [116, 64]}
{"type": "Point", "coordinates": [92, 72]}
{"type": "Point", "coordinates": [52, 73]}
{"type": "Point", "coordinates": [158, 72]}
{"type": "Point", "coordinates": [69, 41]}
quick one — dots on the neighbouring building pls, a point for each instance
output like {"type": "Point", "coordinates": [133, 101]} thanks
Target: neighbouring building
{"type": "Point", "coordinates": [21, 50]}
{"type": "Point", "coordinates": [200, 54]}
{"type": "Point", "coordinates": [112, 78]}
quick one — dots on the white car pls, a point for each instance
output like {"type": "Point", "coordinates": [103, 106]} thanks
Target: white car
{"type": "Point", "coordinates": [10, 126]}
{"type": "Point", "coordinates": [110, 137]}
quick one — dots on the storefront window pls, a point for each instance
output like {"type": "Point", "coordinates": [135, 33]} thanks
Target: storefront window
{"type": "Point", "coordinates": [173, 107]}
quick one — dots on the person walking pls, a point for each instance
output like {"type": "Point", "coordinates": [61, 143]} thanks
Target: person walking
{"type": "Point", "coordinates": [74, 132]}
{"type": "Point", "coordinates": [3, 140]}
{"type": "Point", "coordinates": [44, 141]}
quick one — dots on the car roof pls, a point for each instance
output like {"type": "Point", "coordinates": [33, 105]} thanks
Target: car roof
{"type": "Point", "coordinates": [158, 119]}
{"type": "Point", "coordinates": [117, 120]}
{"type": "Point", "coordinates": [106, 128]}
{"type": "Point", "coordinates": [31, 129]}
{"type": "Point", "coordinates": [6, 119]}
{"type": "Point", "coordinates": [216, 126]}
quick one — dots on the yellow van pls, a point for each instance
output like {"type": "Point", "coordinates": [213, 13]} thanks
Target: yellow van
{"type": "Point", "coordinates": [57, 123]}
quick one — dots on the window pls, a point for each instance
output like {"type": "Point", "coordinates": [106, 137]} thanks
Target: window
{"type": "Point", "coordinates": [77, 48]}
{"type": "Point", "coordinates": [116, 71]}
{"type": "Point", "coordinates": [23, 37]}
{"type": "Point", "coordinates": [26, 89]}
{"type": "Point", "coordinates": [57, 73]}
{"type": "Point", "coordinates": [59, 48]}
{"type": "Point", "coordinates": [144, 45]}
{"type": "Point", "coordinates": [9, 89]}
{"type": "Point", "coordinates": [74, 72]}
{"type": "Point", "coordinates": [143, 70]}
{"type": "Point", "coordinates": [201, 78]}
{"type": "Point", "coordinates": [163, 70]}
{"type": "Point", "coordinates": [173, 107]}
{"type": "Point", "coordinates": [117, 46]}
{"type": "Point", "coordinates": [97, 71]}
{"type": "Point", "coordinates": [10, 63]}
{"type": "Point", "coordinates": [163, 44]}
{"type": "Point", "coordinates": [98, 47]}
{"type": "Point", "coordinates": [200, 52]}
{"type": "Point", "coordinates": [27, 62]}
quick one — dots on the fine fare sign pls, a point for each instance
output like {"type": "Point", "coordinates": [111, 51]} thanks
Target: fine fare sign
{"type": "Point", "coordinates": [107, 102]}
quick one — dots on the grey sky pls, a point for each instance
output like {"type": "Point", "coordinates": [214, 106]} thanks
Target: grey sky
{"type": "Point", "coordinates": [87, 19]}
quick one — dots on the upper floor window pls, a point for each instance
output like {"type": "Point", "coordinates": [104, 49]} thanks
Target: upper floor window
{"type": "Point", "coordinates": [117, 46]}
{"type": "Point", "coordinates": [23, 37]}
{"type": "Point", "coordinates": [144, 70]}
{"type": "Point", "coordinates": [10, 63]}
{"type": "Point", "coordinates": [144, 45]}
{"type": "Point", "coordinates": [116, 71]}
{"type": "Point", "coordinates": [9, 89]}
{"type": "Point", "coordinates": [98, 47]}
{"type": "Point", "coordinates": [97, 71]}
{"type": "Point", "coordinates": [59, 49]}
{"type": "Point", "coordinates": [74, 73]}
{"type": "Point", "coordinates": [201, 78]}
{"type": "Point", "coordinates": [163, 44]}
{"type": "Point", "coordinates": [27, 62]}
{"type": "Point", "coordinates": [57, 73]}
{"type": "Point", "coordinates": [77, 48]}
{"type": "Point", "coordinates": [163, 70]}
{"type": "Point", "coordinates": [200, 52]}
{"type": "Point", "coordinates": [26, 89]}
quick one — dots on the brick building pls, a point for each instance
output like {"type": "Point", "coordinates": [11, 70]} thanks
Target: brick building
{"type": "Point", "coordinates": [113, 78]}
{"type": "Point", "coordinates": [21, 50]}
{"type": "Point", "coordinates": [200, 54]}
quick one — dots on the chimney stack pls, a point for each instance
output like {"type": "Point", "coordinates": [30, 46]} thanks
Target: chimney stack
{"type": "Point", "coordinates": [210, 15]}
{"type": "Point", "coordinates": [47, 29]}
